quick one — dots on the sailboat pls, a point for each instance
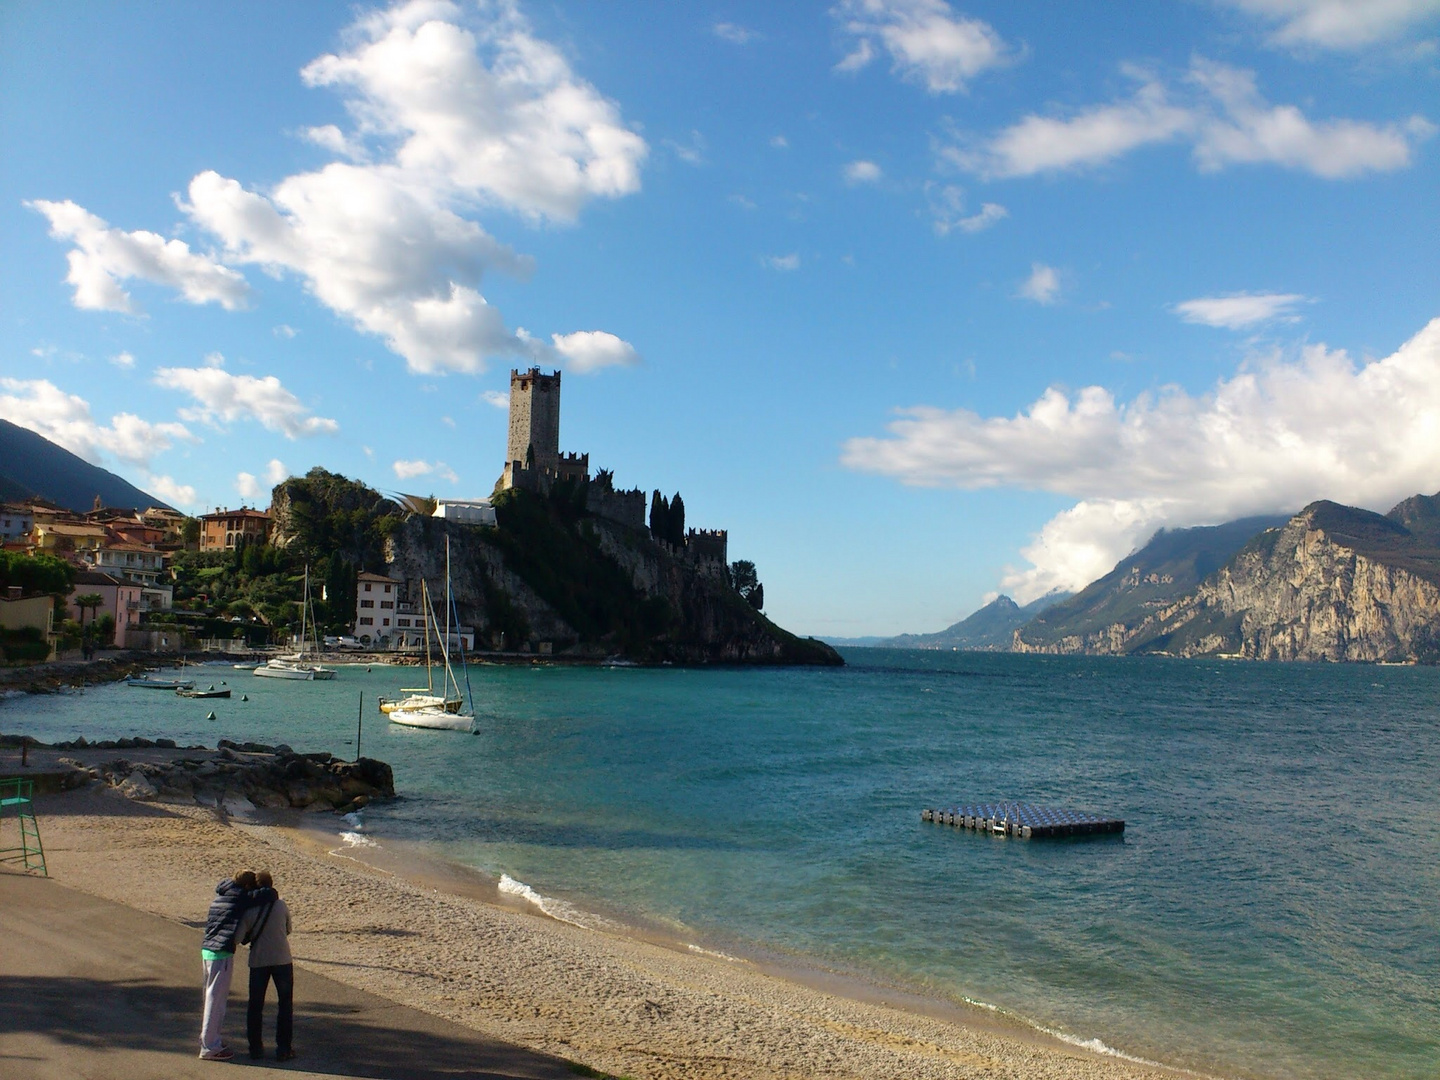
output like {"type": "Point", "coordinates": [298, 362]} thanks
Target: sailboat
{"type": "Point", "coordinates": [442, 711]}
{"type": "Point", "coordinates": [298, 665]}
{"type": "Point", "coordinates": [423, 696]}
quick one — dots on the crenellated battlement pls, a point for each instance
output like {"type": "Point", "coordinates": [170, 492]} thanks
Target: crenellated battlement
{"type": "Point", "coordinates": [707, 545]}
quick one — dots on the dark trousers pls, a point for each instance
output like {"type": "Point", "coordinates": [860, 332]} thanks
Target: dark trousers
{"type": "Point", "coordinates": [284, 976]}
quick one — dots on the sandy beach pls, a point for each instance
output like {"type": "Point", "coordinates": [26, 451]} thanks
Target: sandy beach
{"type": "Point", "coordinates": [451, 946]}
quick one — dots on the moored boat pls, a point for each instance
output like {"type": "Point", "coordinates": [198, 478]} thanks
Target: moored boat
{"type": "Point", "coordinates": [148, 683]}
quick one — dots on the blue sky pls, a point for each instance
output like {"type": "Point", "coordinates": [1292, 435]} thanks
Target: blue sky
{"type": "Point", "coordinates": [921, 301]}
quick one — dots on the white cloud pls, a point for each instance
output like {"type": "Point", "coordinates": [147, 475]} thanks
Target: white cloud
{"type": "Point", "coordinates": [1222, 115]}
{"type": "Point", "coordinates": [1240, 310]}
{"type": "Point", "coordinates": [221, 396]}
{"type": "Point", "coordinates": [1276, 435]}
{"type": "Point", "coordinates": [927, 42]}
{"type": "Point", "coordinates": [735, 33]}
{"type": "Point", "coordinates": [104, 257]}
{"type": "Point", "coordinates": [782, 262]}
{"type": "Point", "coordinates": [123, 360]}
{"type": "Point", "coordinates": [861, 172]}
{"type": "Point", "coordinates": [1339, 24]}
{"type": "Point", "coordinates": [284, 331]}
{"type": "Point", "coordinates": [779, 142]}
{"type": "Point", "coordinates": [741, 201]}
{"type": "Point", "coordinates": [408, 470]}
{"type": "Point", "coordinates": [947, 211]}
{"type": "Point", "coordinates": [587, 351]}
{"type": "Point", "coordinates": [276, 472]}
{"type": "Point", "coordinates": [247, 485]}
{"type": "Point", "coordinates": [693, 152]}
{"type": "Point", "coordinates": [495, 398]}
{"type": "Point", "coordinates": [331, 138]}
{"type": "Point", "coordinates": [174, 493]}
{"type": "Point", "coordinates": [451, 117]}
{"type": "Point", "coordinates": [44, 408]}
{"type": "Point", "coordinates": [1042, 286]}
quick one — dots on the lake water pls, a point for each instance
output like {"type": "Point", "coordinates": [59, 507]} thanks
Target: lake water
{"type": "Point", "coordinates": [1271, 910]}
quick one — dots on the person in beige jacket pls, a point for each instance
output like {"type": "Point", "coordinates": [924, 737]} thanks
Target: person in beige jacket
{"type": "Point", "coordinates": [266, 928]}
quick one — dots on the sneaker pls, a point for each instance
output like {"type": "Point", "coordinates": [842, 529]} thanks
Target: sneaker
{"type": "Point", "coordinates": [223, 1054]}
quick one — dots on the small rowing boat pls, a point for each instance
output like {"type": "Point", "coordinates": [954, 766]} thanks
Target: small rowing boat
{"type": "Point", "coordinates": [160, 684]}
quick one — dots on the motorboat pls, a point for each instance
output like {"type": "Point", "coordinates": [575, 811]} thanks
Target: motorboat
{"type": "Point", "coordinates": [148, 683]}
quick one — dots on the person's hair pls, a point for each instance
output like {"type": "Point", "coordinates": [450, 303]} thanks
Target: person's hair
{"type": "Point", "coordinates": [246, 880]}
{"type": "Point", "coordinates": [265, 880]}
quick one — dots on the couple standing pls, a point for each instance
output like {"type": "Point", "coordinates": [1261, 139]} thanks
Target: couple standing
{"type": "Point", "coordinates": [247, 910]}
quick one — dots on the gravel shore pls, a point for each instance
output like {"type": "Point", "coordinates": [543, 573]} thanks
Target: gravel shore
{"type": "Point", "coordinates": [618, 1004]}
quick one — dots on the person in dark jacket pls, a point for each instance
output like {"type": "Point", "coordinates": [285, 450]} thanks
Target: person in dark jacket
{"type": "Point", "coordinates": [217, 953]}
{"type": "Point", "coordinates": [266, 928]}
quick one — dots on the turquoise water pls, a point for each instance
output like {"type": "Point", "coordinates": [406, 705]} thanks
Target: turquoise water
{"type": "Point", "coordinates": [1271, 910]}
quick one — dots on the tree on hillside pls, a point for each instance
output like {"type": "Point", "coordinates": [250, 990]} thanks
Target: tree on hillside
{"type": "Point", "coordinates": [677, 521]}
{"type": "Point", "coordinates": [747, 583]}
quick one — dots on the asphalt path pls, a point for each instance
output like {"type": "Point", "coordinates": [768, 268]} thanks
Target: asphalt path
{"type": "Point", "coordinates": [94, 989]}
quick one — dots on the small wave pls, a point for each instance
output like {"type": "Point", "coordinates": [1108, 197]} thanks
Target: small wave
{"type": "Point", "coordinates": [354, 820]}
{"type": "Point", "coordinates": [355, 839]}
{"type": "Point", "coordinates": [715, 954]}
{"type": "Point", "coordinates": [556, 909]}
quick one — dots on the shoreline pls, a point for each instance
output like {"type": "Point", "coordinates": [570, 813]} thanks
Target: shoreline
{"type": "Point", "coordinates": [435, 935]}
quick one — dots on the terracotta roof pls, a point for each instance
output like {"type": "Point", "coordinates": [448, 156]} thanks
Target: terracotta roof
{"type": "Point", "coordinates": [365, 575]}
{"type": "Point", "coordinates": [61, 528]}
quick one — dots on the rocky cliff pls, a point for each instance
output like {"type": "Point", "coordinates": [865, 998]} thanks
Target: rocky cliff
{"type": "Point", "coordinates": [589, 587]}
{"type": "Point", "coordinates": [1332, 583]}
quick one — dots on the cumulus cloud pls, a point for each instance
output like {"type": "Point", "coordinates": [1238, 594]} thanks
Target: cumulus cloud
{"type": "Point", "coordinates": [284, 331]}
{"type": "Point", "coordinates": [221, 396]}
{"type": "Point", "coordinates": [948, 212]}
{"type": "Point", "coordinates": [276, 472]}
{"type": "Point", "coordinates": [861, 172]}
{"type": "Point", "coordinates": [42, 407]}
{"type": "Point", "coordinates": [782, 262]}
{"type": "Point", "coordinates": [588, 351]}
{"type": "Point", "coordinates": [247, 485]}
{"type": "Point", "coordinates": [1280, 433]}
{"type": "Point", "coordinates": [451, 112]}
{"type": "Point", "coordinates": [495, 399]}
{"type": "Point", "coordinates": [173, 492]}
{"type": "Point", "coordinates": [1338, 24]}
{"type": "Point", "coordinates": [408, 470]}
{"type": "Point", "coordinates": [1238, 311]}
{"type": "Point", "coordinates": [927, 41]}
{"type": "Point", "coordinates": [123, 360]}
{"type": "Point", "coordinates": [103, 258]}
{"type": "Point", "coordinates": [1222, 114]}
{"type": "Point", "coordinates": [1042, 286]}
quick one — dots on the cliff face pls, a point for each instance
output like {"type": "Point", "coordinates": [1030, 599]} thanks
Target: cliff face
{"type": "Point", "coordinates": [1333, 583]}
{"type": "Point", "coordinates": [591, 588]}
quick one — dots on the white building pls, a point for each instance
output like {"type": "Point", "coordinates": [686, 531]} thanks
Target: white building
{"type": "Point", "coordinates": [465, 511]}
{"type": "Point", "coordinates": [15, 521]}
{"type": "Point", "coordinates": [375, 597]}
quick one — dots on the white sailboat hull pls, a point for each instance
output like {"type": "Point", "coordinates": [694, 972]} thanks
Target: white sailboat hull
{"type": "Point", "coordinates": [280, 669]}
{"type": "Point", "coordinates": [435, 717]}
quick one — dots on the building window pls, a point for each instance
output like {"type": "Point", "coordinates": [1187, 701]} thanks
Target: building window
{"type": "Point", "coordinates": [387, 588]}
{"type": "Point", "coordinates": [367, 586]}
{"type": "Point", "coordinates": [367, 603]}
{"type": "Point", "coordinates": [367, 622]}
{"type": "Point", "coordinates": [384, 622]}
{"type": "Point", "coordinates": [387, 603]}
{"type": "Point", "coordinates": [402, 622]}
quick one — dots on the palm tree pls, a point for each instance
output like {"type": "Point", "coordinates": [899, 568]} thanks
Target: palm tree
{"type": "Point", "coordinates": [88, 600]}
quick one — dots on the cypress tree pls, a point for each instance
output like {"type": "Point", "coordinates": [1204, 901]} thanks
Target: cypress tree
{"type": "Point", "coordinates": [659, 511]}
{"type": "Point", "coordinates": [677, 521]}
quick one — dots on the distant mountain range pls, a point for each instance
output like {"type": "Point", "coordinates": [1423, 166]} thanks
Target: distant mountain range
{"type": "Point", "coordinates": [1330, 583]}
{"type": "Point", "coordinates": [32, 465]}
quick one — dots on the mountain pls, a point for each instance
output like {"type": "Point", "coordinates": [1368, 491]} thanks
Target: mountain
{"type": "Point", "coordinates": [31, 465]}
{"type": "Point", "coordinates": [1169, 567]}
{"type": "Point", "coordinates": [991, 628]}
{"type": "Point", "coordinates": [1331, 583]}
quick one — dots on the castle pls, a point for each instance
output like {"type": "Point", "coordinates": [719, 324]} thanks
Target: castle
{"type": "Point", "coordinates": [533, 462]}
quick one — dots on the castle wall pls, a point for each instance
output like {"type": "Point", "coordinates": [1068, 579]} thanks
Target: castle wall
{"type": "Point", "coordinates": [625, 507]}
{"type": "Point", "coordinates": [707, 545]}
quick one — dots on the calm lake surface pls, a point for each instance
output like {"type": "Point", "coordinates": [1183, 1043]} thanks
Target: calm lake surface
{"type": "Point", "coordinates": [1273, 909]}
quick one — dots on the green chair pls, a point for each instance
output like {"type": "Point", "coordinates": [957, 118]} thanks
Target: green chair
{"type": "Point", "coordinates": [15, 799]}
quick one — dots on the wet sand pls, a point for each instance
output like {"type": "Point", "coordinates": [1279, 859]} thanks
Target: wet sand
{"type": "Point", "coordinates": [444, 941]}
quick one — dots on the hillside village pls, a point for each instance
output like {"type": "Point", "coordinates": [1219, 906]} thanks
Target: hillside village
{"type": "Point", "coordinates": [155, 579]}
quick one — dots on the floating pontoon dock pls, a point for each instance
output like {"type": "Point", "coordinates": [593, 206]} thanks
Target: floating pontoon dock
{"type": "Point", "coordinates": [1023, 820]}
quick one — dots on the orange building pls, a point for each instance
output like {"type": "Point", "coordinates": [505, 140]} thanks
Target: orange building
{"type": "Point", "coordinates": [223, 530]}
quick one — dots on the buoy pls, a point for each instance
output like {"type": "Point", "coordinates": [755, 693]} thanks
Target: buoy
{"type": "Point", "coordinates": [244, 697]}
{"type": "Point", "coordinates": [210, 688]}
{"type": "Point", "coordinates": [210, 717]}
{"type": "Point", "coordinates": [367, 669]}
{"type": "Point", "coordinates": [224, 683]}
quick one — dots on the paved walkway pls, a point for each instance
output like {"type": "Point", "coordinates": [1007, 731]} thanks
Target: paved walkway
{"type": "Point", "coordinates": [93, 989]}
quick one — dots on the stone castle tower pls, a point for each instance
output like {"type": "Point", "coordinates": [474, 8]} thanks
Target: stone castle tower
{"type": "Point", "coordinates": [534, 418]}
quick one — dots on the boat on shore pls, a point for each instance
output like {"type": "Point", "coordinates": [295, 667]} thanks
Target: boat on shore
{"type": "Point", "coordinates": [299, 666]}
